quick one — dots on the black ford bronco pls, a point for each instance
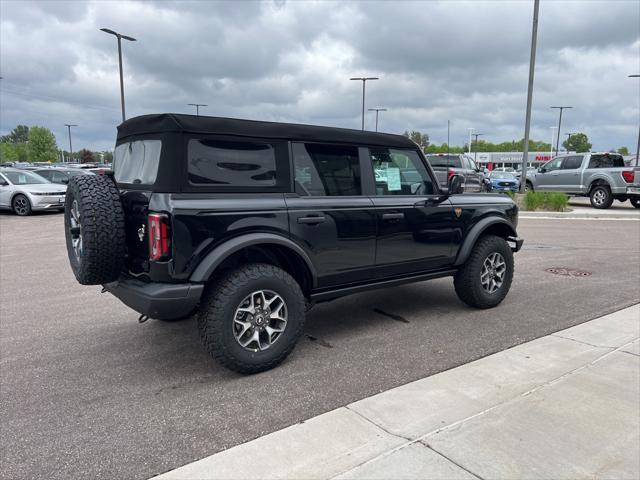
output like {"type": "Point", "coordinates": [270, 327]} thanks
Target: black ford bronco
{"type": "Point", "coordinates": [249, 223]}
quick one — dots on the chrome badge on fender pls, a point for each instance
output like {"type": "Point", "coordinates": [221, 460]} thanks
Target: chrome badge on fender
{"type": "Point", "coordinates": [141, 232]}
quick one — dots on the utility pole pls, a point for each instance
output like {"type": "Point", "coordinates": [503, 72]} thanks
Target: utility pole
{"type": "Point", "coordinates": [532, 67]}
{"type": "Point", "coordinates": [553, 137]}
{"type": "Point", "coordinates": [470, 133]}
{"type": "Point", "coordinates": [475, 156]}
{"type": "Point", "coordinates": [69, 125]}
{"type": "Point", "coordinates": [638, 147]}
{"type": "Point", "coordinates": [364, 81]}
{"type": "Point", "coordinates": [377, 110]}
{"type": "Point", "coordinates": [559, 128]}
{"type": "Point", "coordinates": [119, 36]}
{"type": "Point", "coordinates": [448, 136]}
{"type": "Point", "coordinates": [197, 105]}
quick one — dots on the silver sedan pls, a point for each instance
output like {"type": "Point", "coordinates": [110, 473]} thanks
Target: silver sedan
{"type": "Point", "coordinates": [23, 192]}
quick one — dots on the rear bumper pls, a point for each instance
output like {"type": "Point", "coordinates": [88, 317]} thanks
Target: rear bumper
{"type": "Point", "coordinates": [162, 301]}
{"type": "Point", "coordinates": [633, 191]}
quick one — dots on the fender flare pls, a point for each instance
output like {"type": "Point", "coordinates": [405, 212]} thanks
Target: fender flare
{"type": "Point", "coordinates": [474, 234]}
{"type": "Point", "coordinates": [599, 179]}
{"type": "Point", "coordinates": [213, 259]}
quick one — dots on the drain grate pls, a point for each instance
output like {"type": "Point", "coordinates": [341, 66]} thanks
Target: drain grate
{"type": "Point", "coordinates": [568, 272]}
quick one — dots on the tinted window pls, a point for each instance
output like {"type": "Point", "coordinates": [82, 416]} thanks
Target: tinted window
{"type": "Point", "coordinates": [326, 170]}
{"type": "Point", "coordinates": [48, 174]}
{"type": "Point", "coordinates": [445, 161]}
{"type": "Point", "coordinates": [240, 164]}
{"type": "Point", "coordinates": [399, 172]}
{"type": "Point", "coordinates": [571, 163]}
{"type": "Point", "coordinates": [553, 164]}
{"type": "Point", "coordinates": [606, 161]}
{"type": "Point", "coordinates": [137, 162]}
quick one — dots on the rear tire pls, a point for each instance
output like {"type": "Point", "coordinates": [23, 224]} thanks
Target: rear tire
{"type": "Point", "coordinates": [94, 229]}
{"type": "Point", "coordinates": [21, 205]}
{"type": "Point", "coordinates": [491, 260]}
{"type": "Point", "coordinates": [635, 202]}
{"type": "Point", "coordinates": [234, 312]}
{"type": "Point", "coordinates": [601, 197]}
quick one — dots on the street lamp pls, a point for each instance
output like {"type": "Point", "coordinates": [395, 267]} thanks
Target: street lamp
{"type": "Point", "coordinates": [638, 147]}
{"type": "Point", "coordinates": [69, 125]}
{"type": "Point", "coordinates": [377, 110]}
{"type": "Point", "coordinates": [471, 129]}
{"type": "Point", "coordinates": [559, 126]}
{"type": "Point", "coordinates": [197, 105]}
{"type": "Point", "coordinates": [475, 156]}
{"type": "Point", "coordinates": [120, 37]}
{"type": "Point", "coordinates": [553, 136]}
{"type": "Point", "coordinates": [364, 81]}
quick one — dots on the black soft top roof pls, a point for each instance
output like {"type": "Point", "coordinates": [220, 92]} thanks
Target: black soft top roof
{"type": "Point", "coordinates": [174, 122]}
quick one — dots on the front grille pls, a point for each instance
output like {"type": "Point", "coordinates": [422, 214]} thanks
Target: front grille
{"type": "Point", "coordinates": [506, 184]}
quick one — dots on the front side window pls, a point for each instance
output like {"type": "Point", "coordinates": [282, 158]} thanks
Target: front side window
{"type": "Point", "coordinates": [231, 163]}
{"type": "Point", "coordinates": [571, 163]}
{"type": "Point", "coordinates": [137, 162]}
{"type": "Point", "coordinates": [553, 164]}
{"type": "Point", "coordinates": [606, 161]}
{"type": "Point", "coordinates": [326, 170]}
{"type": "Point", "coordinates": [400, 172]}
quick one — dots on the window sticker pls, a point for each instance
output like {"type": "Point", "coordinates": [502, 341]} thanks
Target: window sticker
{"type": "Point", "coordinates": [393, 179]}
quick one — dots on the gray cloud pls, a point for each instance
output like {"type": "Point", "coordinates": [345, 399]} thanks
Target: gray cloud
{"type": "Point", "coordinates": [290, 61]}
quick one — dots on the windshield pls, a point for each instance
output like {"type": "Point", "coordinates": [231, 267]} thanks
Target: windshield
{"type": "Point", "coordinates": [501, 175]}
{"type": "Point", "coordinates": [25, 178]}
{"type": "Point", "coordinates": [444, 161]}
{"type": "Point", "coordinates": [137, 162]}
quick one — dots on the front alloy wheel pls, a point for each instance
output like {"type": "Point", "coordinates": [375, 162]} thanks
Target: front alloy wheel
{"type": "Point", "coordinates": [492, 273]}
{"type": "Point", "coordinates": [21, 205]}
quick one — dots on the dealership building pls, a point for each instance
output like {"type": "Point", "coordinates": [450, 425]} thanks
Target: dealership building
{"type": "Point", "coordinates": [493, 160]}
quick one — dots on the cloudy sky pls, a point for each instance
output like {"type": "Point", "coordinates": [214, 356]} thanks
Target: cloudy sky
{"type": "Point", "coordinates": [291, 61]}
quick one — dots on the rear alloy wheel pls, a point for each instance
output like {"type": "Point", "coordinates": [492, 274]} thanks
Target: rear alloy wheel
{"type": "Point", "coordinates": [601, 197]}
{"type": "Point", "coordinates": [21, 205]}
{"type": "Point", "coordinates": [252, 318]}
{"type": "Point", "coordinates": [635, 202]}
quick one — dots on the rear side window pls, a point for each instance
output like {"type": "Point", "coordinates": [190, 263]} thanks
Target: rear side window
{"type": "Point", "coordinates": [571, 163]}
{"type": "Point", "coordinates": [606, 161]}
{"type": "Point", "coordinates": [137, 162]}
{"type": "Point", "coordinates": [326, 170]}
{"type": "Point", "coordinates": [454, 161]}
{"type": "Point", "coordinates": [233, 163]}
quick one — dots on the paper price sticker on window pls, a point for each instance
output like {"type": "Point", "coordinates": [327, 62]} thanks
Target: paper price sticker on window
{"type": "Point", "coordinates": [393, 179]}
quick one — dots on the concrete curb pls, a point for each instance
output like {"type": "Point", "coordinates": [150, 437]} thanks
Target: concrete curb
{"type": "Point", "coordinates": [560, 406]}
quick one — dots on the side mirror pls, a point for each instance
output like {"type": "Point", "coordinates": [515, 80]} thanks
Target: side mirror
{"type": "Point", "coordinates": [455, 185]}
{"type": "Point", "coordinates": [541, 170]}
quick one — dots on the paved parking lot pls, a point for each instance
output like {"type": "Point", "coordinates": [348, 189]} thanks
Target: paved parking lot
{"type": "Point", "coordinates": [87, 391]}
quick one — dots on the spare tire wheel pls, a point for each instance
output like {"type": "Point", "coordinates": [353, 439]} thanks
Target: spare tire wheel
{"type": "Point", "coordinates": [94, 229]}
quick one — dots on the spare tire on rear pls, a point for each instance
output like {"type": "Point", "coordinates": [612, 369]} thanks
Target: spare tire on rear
{"type": "Point", "coordinates": [94, 229]}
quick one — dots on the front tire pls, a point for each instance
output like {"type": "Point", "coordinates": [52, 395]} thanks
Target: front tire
{"type": "Point", "coordinates": [21, 205]}
{"type": "Point", "coordinates": [528, 187]}
{"type": "Point", "coordinates": [601, 197]}
{"type": "Point", "coordinates": [252, 318]}
{"type": "Point", "coordinates": [635, 202]}
{"type": "Point", "coordinates": [485, 278]}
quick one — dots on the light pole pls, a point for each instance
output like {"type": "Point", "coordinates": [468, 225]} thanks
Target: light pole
{"type": "Point", "coordinates": [197, 105]}
{"type": "Point", "coordinates": [553, 136]}
{"type": "Point", "coordinates": [475, 156]}
{"type": "Point", "coordinates": [69, 125]}
{"type": "Point", "coordinates": [119, 36]}
{"type": "Point", "coordinates": [638, 147]}
{"type": "Point", "coordinates": [364, 81]}
{"type": "Point", "coordinates": [559, 127]}
{"type": "Point", "coordinates": [470, 133]}
{"type": "Point", "coordinates": [377, 110]}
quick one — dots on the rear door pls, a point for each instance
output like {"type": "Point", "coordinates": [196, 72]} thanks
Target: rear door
{"type": "Point", "coordinates": [415, 230]}
{"type": "Point", "coordinates": [328, 214]}
{"type": "Point", "coordinates": [473, 177]}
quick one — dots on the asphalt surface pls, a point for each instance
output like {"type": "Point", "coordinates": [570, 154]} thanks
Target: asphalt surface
{"type": "Point", "coordinates": [86, 391]}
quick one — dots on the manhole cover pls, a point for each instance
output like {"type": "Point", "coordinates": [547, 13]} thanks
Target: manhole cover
{"type": "Point", "coordinates": [568, 272]}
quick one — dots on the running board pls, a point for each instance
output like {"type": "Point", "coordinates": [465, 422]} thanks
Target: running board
{"type": "Point", "coordinates": [341, 292]}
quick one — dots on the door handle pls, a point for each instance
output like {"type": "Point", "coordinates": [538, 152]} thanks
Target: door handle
{"type": "Point", "coordinates": [392, 216]}
{"type": "Point", "coordinates": [555, 174]}
{"type": "Point", "coordinates": [311, 220]}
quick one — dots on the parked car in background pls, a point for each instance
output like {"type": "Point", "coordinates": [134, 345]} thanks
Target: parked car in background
{"type": "Point", "coordinates": [24, 191]}
{"type": "Point", "coordinates": [600, 176]}
{"type": "Point", "coordinates": [501, 181]}
{"type": "Point", "coordinates": [505, 169]}
{"type": "Point", "coordinates": [61, 175]}
{"type": "Point", "coordinates": [446, 166]}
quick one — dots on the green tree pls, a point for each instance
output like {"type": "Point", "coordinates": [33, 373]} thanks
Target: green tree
{"type": "Point", "coordinates": [42, 145]}
{"type": "Point", "coordinates": [578, 142]}
{"type": "Point", "coordinates": [422, 139]}
{"type": "Point", "coordinates": [623, 151]}
{"type": "Point", "coordinates": [20, 134]}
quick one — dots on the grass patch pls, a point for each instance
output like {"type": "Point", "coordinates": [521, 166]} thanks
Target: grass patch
{"type": "Point", "coordinates": [552, 201]}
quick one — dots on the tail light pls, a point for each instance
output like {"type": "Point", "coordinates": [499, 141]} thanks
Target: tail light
{"type": "Point", "coordinates": [159, 237]}
{"type": "Point", "coordinates": [628, 176]}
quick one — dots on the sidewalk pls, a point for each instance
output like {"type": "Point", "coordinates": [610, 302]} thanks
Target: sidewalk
{"type": "Point", "coordinates": [563, 406]}
{"type": "Point", "coordinates": [582, 209]}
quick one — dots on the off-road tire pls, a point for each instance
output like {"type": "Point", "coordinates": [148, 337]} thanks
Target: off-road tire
{"type": "Point", "coordinates": [21, 205]}
{"type": "Point", "coordinates": [601, 190]}
{"type": "Point", "coordinates": [217, 310]}
{"type": "Point", "coordinates": [102, 229]}
{"type": "Point", "coordinates": [635, 202]}
{"type": "Point", "coordinates": [467, 279]}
